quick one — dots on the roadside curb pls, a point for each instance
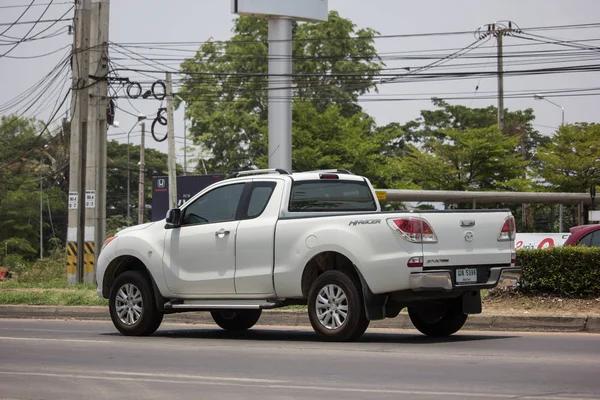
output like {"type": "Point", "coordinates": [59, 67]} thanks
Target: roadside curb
{"type": "Point", "coordinates": [480, 322]}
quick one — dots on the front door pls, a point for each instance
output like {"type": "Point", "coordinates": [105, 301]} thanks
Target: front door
{"type": "Point", "coordinates": [199, 256]}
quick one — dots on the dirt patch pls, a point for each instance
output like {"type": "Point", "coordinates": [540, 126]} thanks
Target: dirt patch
{"type": "Point", "coordinates": [518, 304]}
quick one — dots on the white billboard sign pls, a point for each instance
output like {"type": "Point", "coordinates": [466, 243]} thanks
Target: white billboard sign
{"type": "Point", "coordinates": [302, 10]}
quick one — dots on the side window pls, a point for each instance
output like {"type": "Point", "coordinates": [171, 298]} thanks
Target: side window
{"type": "Point", "coordinates": [259, 198]}
{"type": "Point", "coordinates": [218, 205]}
{"type": "Point", "coordinates": [586, 240]}
{"type": "Point", "coordinates": [595, 239]}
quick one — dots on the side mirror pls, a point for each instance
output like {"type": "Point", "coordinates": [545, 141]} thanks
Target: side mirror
{"type": "Point", "coordinates": [173, 218]}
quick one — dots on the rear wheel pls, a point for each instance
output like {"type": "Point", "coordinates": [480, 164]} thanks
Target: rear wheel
{"type": "Point", "coordinates": [132, 306]}
{"type": "Point", "coordinates": [336, 308]}
{"type": "Point", "coordinates": [439, 319]}
{"type": "Point", "coordinates": [236, 320]}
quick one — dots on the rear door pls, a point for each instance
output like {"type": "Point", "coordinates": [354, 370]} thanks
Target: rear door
{"type": "Point", "coordinates": [468, 239]}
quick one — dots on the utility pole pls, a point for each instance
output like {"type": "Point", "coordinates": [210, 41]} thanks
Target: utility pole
{"type": "Point", "coordinates": [101, 12]}
{"type": "Point", "coordinates": [41, 219]}
{"type": "Point", "coordinates": [141, 194]}
{"type": "Point", "coordinates": [78, 152]}
{"type": "Point", "coordinates": [499, 30]}
{"type": "Point", "coordinates": [171, 141]}
{"type": "Point", "coordinates": [95, 181]}
{"type": "Point", "coordinates": [184, 139]}
{"type": "Point", "coordinates": [500, 83]}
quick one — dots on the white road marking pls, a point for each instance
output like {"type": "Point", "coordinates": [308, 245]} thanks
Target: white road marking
{"type": "Point", "coordinates": [256, 383]}
{"type": "Point", "coordinates": [56, 340]}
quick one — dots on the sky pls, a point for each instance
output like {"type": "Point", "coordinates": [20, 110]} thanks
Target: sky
{"type": "Point", "coordinates": [133, 21]}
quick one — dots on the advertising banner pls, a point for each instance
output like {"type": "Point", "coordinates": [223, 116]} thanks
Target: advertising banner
{"type": "Point", "coordinates": [187, 186]}
{"type": "Point", "coordinates": [540, 240]}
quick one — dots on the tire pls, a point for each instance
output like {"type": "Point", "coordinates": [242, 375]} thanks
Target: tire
{"type": "Point", "coordinates": [132, 291]}
{"type": "Point", "coordinates": [236, 320]}
{"type": "Point", "coordinates": [439, 321]}
{"type": "Point", "coordinates": [336, 308]}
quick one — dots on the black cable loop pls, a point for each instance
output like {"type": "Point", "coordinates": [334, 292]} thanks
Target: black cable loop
{"type": "Point", "coordinates": [139, 90]}
{"type": "Point", "coordinates": [162, 121]}
{"type": "Point", "coordinates": [159, 96]}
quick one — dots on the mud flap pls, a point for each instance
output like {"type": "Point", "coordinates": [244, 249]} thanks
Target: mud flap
{"type": "Point", "coordinates": [374, 304]}
{"type": "Point", "coordinates": [471, 302]}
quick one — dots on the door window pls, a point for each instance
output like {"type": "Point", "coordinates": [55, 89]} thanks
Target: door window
{"type": "Point", "coordinates": [218, 205]}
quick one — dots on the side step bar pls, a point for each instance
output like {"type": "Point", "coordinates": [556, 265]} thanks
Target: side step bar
{"type": "Point", "coordinates": [207, 305]}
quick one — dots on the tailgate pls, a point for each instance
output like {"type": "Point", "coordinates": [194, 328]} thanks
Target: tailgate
{"type": "Point", "coordinates": [467, 238]}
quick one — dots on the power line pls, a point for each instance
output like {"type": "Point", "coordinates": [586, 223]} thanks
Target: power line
{"type": "Point", "coordinates": [10, 25]}
{"type": "Point", "coordinates": [29, 31]}
{"type": "Point", "coordinates": [35, 5]}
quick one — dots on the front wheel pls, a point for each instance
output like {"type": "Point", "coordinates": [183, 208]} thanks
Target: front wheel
{"type": "Point", "coordinates": [440, 319]}
{"type": "Point", "coordinates": [236, 320]}
{"type": "Point", "coordinates": [132, 306]}
{"type": "Point", "coordinates": [335, 307]}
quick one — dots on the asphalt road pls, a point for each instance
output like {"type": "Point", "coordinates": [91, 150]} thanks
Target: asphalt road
{"type": "Point", "coordinates": [88, 360]}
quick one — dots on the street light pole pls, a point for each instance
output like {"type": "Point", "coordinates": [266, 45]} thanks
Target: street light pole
{"type": "Point", "coordinates": [140, 118]}
{"type": "Point", "coordinates": [562, 109]}
{"type": "Point", "coordinates": [540, 97]}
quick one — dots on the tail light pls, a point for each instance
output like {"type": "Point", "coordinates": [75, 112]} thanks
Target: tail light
{"type": "Point", "coordinates": [415, 262]}
{"type": "Point", "coordinates": [513, 258]}
{"type": "Point", "coordinates": [508, 230]}
{"type": "Point", "coordinates": [413, 229]}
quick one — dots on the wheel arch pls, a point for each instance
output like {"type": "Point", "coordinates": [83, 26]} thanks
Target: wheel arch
{"type": "Point", "coordinates": [126, 263]}
{"type": "Point", "coordinates": [334, 260]}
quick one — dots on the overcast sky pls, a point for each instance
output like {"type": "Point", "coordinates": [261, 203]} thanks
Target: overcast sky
{"type": "Point", "coordinates": [198, 20]}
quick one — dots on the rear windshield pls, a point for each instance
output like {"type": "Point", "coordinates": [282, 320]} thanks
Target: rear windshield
{"type": "Point", "coordinates": [331, 195]}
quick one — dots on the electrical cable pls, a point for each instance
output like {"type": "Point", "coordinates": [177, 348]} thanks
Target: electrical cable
{"type": "Point", "coordinates": [18, 19]}
{"type": "Point", "coordinates": [29, 31]}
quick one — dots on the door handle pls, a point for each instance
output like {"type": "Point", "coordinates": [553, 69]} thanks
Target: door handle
{"type": "Point", "coordinates": [221, 232]}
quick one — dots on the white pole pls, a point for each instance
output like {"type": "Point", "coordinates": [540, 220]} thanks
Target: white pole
{"type": "Point", "coordinates": [280, 93]}
{"type": "Point", "coordinates": [171, 140]}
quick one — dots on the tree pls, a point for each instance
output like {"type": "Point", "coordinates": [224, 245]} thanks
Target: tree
{"type": "Point", "coordinates": [116, 191]}
{"type": "Point", "coordinates": [474, 159]}
{"type": "Point", "coordinates": [570, 162]}
{"type": "Point", "coordinates": [225, 85]}
{"type": "Point", "coordinates": [433, 123]}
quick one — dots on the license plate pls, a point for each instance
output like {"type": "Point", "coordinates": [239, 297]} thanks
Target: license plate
{"type": "Point", "coordinates": [466, 275]}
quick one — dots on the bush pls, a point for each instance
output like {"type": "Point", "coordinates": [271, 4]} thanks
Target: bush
{"type": "Point", "coordinates": [567, 271]}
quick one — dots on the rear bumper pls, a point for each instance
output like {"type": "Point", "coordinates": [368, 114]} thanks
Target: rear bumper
{"type": "Point", "coordinates": [442, 280]}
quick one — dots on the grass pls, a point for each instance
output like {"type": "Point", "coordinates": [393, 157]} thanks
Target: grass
{"type": "Point", "coordinates": [79, 296]}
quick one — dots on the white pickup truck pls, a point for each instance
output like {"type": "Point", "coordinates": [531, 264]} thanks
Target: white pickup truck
{"type": "Point", "coordinates": [269, 238]}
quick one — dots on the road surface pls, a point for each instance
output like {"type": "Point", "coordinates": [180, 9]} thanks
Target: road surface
{"type": "Point", "coordinates": [46, 359]}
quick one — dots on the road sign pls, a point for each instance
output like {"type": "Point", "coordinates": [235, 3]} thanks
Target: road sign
{"type": "Point", "coordinates": [73, 200]}
{"type": "Point", "coordinates": [90, 199]}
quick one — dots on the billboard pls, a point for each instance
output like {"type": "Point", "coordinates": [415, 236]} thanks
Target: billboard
{"type": "Point", "coordinates": [540, 240]}
{"type": "Point", "coordinates": [187, 186]}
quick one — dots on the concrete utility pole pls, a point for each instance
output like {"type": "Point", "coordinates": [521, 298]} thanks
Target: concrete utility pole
{"type": "Point", "coordinates": [96, 150]}
{"type": "Point", "coordinates": [41, 218]}
{"type": "Point", "coordinates": [171, 141]}
{"type": "Point", "coordinates": [499, 30]}
{"type": "Point", "coordinates": [79, 125]}
{"type": "Point", "coordinates": [141, 196]}
{"type": "Point", "coordinates": [500, 84]}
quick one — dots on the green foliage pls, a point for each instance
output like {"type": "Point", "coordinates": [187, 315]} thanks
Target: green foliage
{"type": "Point", "coordinates": [116, 191]}
{"type": "Point", "coordinates": [475, 159]}
{"type": "Point", "coordinates": [566, 271]}
{"type": "Point", "coordinates": [570, 161]}
{"type": "Point", "coordinates": [225, 86]}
